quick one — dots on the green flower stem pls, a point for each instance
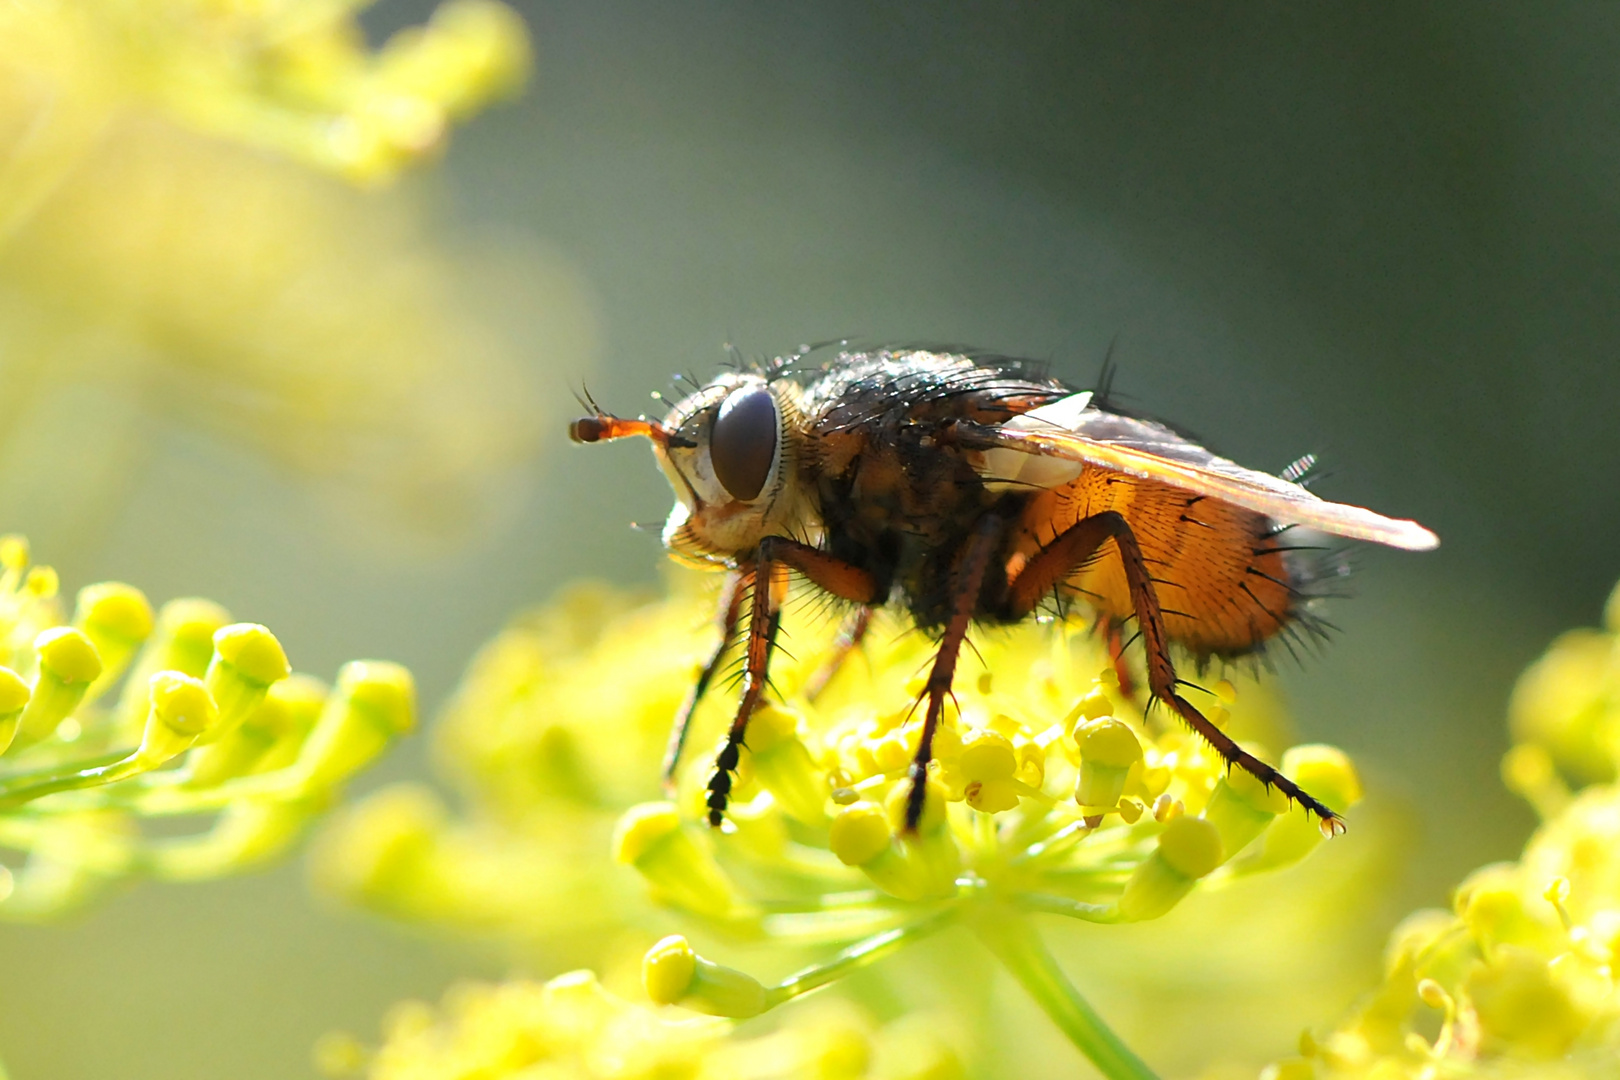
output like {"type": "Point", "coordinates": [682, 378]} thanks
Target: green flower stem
{"type": "Point", "coordinates": [12, 781]}
{"type": "Point", "coordinates": [125, 766]}
{"type": "Point", "coordinates": [827, 927]}
{"type": "Point", "coordinates": [855, 957]}
{"type": "Point", "coordinates": [1074, 909]}
{"type": "Point", "coordinates": [1009, 935]}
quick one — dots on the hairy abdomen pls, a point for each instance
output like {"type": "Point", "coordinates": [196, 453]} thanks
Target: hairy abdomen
{"type": "Point", "coordinates": [1221, 578]}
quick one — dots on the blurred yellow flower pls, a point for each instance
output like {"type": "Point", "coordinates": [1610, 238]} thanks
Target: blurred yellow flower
{"type": "Point", "coordinates": [1052, 795]}
{"type": "Point", "coordinates": [155, 259]}
{"type": "Point", "coordinates": [572, 1029]}
{"type": "Point", "coordinates": [209, 723]}
{"type": "Point", "coordinates": [1519, 979]}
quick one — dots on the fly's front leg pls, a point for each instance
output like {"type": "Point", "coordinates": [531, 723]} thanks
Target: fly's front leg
{"type": "Point", "coordinates": [777, 555]}
{"type": "Point", "coordinates": [966, 580]}
{"type": "Point", "coordinates": [731, 600]}
{"type": "Point", "coordinates": [1070, 550]}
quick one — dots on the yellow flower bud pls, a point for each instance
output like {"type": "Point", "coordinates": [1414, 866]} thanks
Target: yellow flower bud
{"type": "Point", "coordinates": [783, 766]}
{"type": "Point", "coordinates": [986, 756]}
{"type": "Point", "coordinates": [68, 655]}
{"type": "Point", "coordinates": [668, 969]}
{"type": "Point", "coordinates": [116, 618]}
{"type": "Point", "coordinates": [269, 738]}
{"type": "Point", "coordinates": [247, 660]}
{"type": "Point", "coordinates": [14, 695]}
{"type": "Point", "coordinates": [860, 833]}
{"type": "Point", "coordinates": [679, 869]}
{"type": "Point", "coordinates": [181, 711]}
{"type": "Point", "coordinates": [68, 664]}
{"type": "Point", "coordinates": [673, 974]}
{"type": "Point", "coordinates": [181, 640]}
{"type": "Point", "coordinates": [13, 553]}
{"type": "Point", "coordinates": [1241, 807]}
{"type": "Point", "coordinates": [1189, 848]}
{"type": "Point", "coordinates": [1108, 749]}
{"type": "Point", "coordinates": [373, 702]}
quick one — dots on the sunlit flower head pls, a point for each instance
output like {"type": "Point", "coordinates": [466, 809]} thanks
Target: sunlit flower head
{"type": "Point", "coordinates": [117, 716]}
{"type": "Point", "coordinates": [1519, 978]}
{"type": "Point", "coordinates": [1051, 793]}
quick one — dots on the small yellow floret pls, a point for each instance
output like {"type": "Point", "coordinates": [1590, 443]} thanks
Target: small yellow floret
{"type": "Point", "coordinates": [385, 690]}
{"type": "Point", "coordinates": [1108, 742]}
{"type": "Point", "coordinates": [42, 582]}
{"type": "Point", "coordinates": [641, 827]}
{"type": "Point", "coordinates": [188, 626]}
{"type": "Point", "coordinates": [68, 655]}
{"type": "Point", "coordinates": [668, 969]}
{"type": "Point", "coordinates": [13, 552]}
{"type": "Point", "coordinates": [14, 691]}
{"type": "Point", "coordinates": [253, 651]}
{"type": "Point", "coordinates": [1191, 846]}
{"type": "Point", "coordinates": [987, 756]}
{"type": "Point", "coordinates": [860, 833]}
{"type": "Point", "coordinates": [116, 610]}
{"type": "Point", "coordinates": [182, 704]}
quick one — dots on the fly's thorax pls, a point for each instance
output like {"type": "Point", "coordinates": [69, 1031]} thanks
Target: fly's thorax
{"type": "Point", "coordinates": [732, 459]}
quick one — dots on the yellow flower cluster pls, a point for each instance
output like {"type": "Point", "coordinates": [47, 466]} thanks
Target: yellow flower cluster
{"type": "Point", "coordinates": [1052, 793]}
{"type": "Point", "coordinates": [208, 721]}
{"type": "Point", "coordinates": [572, 1029]}
{"type": "Point", "coordinates": [154, 259]}
{"type": "Point", "coordinates": [295, 76]}
{"type": "Point", "coordinates": [1522, 977]}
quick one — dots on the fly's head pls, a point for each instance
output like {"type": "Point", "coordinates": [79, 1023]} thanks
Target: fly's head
{"type": "Point", "coordinates": [730, 451]}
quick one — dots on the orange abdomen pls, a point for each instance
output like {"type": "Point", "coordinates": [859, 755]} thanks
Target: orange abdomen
{"type": "Point", "coordinates": [1221, 578]}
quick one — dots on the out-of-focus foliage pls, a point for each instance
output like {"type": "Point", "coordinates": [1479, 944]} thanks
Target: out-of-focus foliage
{"type": "Point", "coordinates": [1052, 794]}
{"type": "Point", "coordinates": [209, 724]}
{"type": "Point", "coordinates": [1520, 978]}
{"type": "Point", "coordinates": [165, 249]}
{"type": "Point", "coordinates": [572, 1029]}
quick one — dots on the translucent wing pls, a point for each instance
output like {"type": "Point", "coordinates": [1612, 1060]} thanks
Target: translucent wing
{"type": "Point", "coordinates": [1049, 446]}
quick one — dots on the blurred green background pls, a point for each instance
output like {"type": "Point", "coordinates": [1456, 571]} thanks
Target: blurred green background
{"type": "Point", "coordinates": [1385, 234]}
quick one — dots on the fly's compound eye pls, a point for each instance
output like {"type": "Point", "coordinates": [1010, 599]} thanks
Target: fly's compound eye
{"type": "Point", "coordinates": [742, 446]}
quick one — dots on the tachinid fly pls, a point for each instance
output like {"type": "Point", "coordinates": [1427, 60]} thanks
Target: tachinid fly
{"type": "Point", "coordinates": [963, 489]}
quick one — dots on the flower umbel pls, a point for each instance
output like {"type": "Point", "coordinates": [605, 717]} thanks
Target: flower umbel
{"type": "Point", "coordinates": [1519, 979]}
{"type": "Point", "coordinates": [208, 720]}
{"type": "Point", "coordinates": [1051, 793]}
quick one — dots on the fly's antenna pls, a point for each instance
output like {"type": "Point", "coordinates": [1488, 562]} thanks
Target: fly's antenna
{"type": "Point", "coordinates": [601, 425]}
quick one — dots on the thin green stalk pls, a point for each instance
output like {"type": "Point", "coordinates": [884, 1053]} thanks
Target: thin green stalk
{"type": "Point", "coordinates": [856, 956]}
{"type": "Point", "coordinates": [1010, 936]}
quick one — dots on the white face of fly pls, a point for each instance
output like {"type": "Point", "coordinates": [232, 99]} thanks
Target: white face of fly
{"type": "Point", "coordinates": [730, 456]}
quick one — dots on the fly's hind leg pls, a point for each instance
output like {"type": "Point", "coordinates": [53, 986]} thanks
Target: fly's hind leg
{"type": "Point", "coordinates": [1072, 548]}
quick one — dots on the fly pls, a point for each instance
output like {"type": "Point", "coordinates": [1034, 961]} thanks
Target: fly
{"type": "Point", "coordinates": [964, 490]}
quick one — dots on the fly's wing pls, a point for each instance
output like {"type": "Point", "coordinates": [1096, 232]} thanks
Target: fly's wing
{"type": "Point", "coordinates": [1050, 445]}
